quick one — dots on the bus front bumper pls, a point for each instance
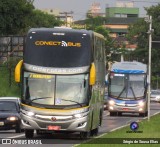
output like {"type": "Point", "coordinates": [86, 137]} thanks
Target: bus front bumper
{"type": "Point", "coordinates": [70, 124]}
{"type": "Point", "coordinates": [127, 109]}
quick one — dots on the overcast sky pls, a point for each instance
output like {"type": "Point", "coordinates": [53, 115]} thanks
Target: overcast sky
{"type": "Point", "coordinates": [80, 7]}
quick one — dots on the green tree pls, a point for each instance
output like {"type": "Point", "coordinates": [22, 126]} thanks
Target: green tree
{"type": "Point", "coordinates": [17, 16]}
{"type": "Point", "coordinates": [96, 24]}
{"type": "Point", "coordinates": [138, 33]}
{"type": "Point", "coordinates": [108, 41]}
{"type": "Point", "coordinates": [93, 22]}
{"type": "Point", "coordinates": [41, 19]}
{"type": "Point", "coordinates": [14, 15]}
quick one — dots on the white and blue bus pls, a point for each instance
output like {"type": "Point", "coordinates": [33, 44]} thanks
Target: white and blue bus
{"type": "Point", "coordinates": [127, 88]}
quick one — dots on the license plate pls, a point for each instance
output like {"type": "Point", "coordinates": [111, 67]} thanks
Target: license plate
{"type": "Point", "coordinates": [125, 109]}
{"type": "Point", "coordinates": [54, 127]}
{"type": "Point", "coordinates": [1, 123]}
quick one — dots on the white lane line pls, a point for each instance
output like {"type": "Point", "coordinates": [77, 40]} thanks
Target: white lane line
{"type": "Point", "coordinates": [156, 113]}
{"type": "Point", "coordinates": [118, 128]}
{"type": "Point", "coordinates": [16, 136]}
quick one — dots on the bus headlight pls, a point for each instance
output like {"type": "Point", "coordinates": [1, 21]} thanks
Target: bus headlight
{"type": "Point", "coordinates": [111, 102]}
{"type": "Point", "coordinates": [157, 98]}
{"type": "Point", "coordinates": [78, 115]}
{"type": "Point", "coordinates": [141, 103]}
{"type": "Point", "coordinates": [29, 113]}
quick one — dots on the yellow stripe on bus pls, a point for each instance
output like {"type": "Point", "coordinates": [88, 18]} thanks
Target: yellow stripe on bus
{"type": "Point", "coordinates": [45, 109]}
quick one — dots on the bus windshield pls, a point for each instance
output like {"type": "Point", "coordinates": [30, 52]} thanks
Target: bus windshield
{"type": "Point", "coordinates": [56, 90]}
{"type": "Point", "coordinates": [127, 86]}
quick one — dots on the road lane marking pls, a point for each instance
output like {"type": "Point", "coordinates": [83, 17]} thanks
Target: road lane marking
{"type": "Point", "coordinates": [16, 136]}
{"type": "Point", "coordinates": [119, 128]}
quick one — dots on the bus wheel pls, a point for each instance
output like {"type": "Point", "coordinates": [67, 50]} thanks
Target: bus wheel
{"type": "Point", "coordinates": [18, 129]}
{"type": "Point", "coordinates": [119, 113]}
{"type": "Point", "coordinates": [113, 113]}
{"type": "Point", "coordinates": [143, 114]}
{"type": "Point", "coordinates": [95, 131]}
{"type": "Point", "coordinates": [29, 133]}
{"type": "Point", "coordinates": [84, 135]}
{"type": "Point", "coordinates": [38, 132]}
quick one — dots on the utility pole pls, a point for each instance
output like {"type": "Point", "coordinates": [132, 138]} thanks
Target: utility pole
{"type": "Point", "coordinates": [66, 15]}
{"type": "Point", "coordinates": [150, 31]}
{"type": "Point", "coordinates": [150, 47]}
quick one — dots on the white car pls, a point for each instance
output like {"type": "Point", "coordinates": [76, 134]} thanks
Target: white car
{"type": "Point", "coordinates": [155, 95]}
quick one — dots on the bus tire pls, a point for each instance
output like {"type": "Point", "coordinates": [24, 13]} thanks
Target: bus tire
{"type": "Point", "coordinates": [38, 132]}
{"type": "Point", "coordinates": [113, 113]}
{"type": "Point", "coordinates": [119, 113]}
{"type": "Point", "coordinates": [29, 133]}
{"type": "Point", "coordinates": [18, 129]}
{"type": "Point", "coordinates": [143, 114]}
{"type": "Point", "coordinates": [95, 131]}
{"type": "Point", "coordinates": [84, 135]}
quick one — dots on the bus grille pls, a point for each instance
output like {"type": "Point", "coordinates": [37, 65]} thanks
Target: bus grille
{"type": "Point", "coordinates": [54, 118]}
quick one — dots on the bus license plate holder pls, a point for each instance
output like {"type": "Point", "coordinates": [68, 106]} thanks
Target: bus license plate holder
{"type": "Point", "coordinates": [56, 128]}
{"type": "Point", "coordinates": [125, 109]}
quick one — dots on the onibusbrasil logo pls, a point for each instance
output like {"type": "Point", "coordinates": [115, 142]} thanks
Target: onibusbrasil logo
{"type": "Point", "coordinates": [134, 126]}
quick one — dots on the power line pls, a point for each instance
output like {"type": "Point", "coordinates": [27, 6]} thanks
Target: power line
{"type": "Point", "coordinates": [66, 15]}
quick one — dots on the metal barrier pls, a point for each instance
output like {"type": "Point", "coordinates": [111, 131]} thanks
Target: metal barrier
{"type": "Point", "coordinates": [11, 51]}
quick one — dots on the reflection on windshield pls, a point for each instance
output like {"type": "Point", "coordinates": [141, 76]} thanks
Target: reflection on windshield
{"type": "Point", "coordinates": [71, 88]}
{"type": "Point", "coordinates": [56, 90]}
{"type": "Point", "coordinates": [127, 86]}
{"type": "Point", "coordinates": [57, 100]}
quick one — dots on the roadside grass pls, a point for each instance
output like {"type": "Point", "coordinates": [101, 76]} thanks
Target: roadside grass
{"type": "Point", "coordinates": [148, 130]}
{"type": "Point", "coordinates": [5, 88]}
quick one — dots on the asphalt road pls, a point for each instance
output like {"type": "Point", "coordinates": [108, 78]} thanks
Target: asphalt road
{"type": "Point", "coordinates": [68, 140]}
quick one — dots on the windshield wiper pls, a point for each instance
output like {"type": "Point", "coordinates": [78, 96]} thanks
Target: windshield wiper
{"type": "Point", "coordinates": [39, 98]}
{"type": "Point", "coordinates": [133, 93]}
{"type": "Point", "coordinates": [73, 101]}
{"type": "Point", "coordinates": [121, 92]}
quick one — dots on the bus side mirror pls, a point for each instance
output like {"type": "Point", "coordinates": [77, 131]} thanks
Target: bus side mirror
{"type": "Point", "coordinates": [18, 71]}
{"type": "Point", "coordinates": [92, 79]}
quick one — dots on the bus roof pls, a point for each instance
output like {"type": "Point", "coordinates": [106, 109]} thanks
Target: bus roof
{"type": "Point", "coordinates": [129, 67]}
{"type": "Point", "coordinates": [65, 30]}
{"type": "Point", "coordinates": [60, 30]}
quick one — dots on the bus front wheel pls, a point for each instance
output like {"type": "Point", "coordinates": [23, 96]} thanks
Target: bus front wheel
{"type": "Point", "coordinates": [84, 135]}
{"type": "Point", "coordinates": [29, 133]}
{"type": "Point", "coordinates": [143, 114]}
{"type": "Point", "coordinates": [95, 131]}
{"type": "Point", "coordinates": [113, 113]}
